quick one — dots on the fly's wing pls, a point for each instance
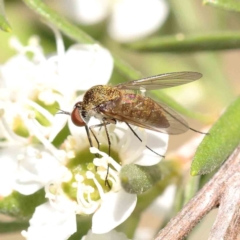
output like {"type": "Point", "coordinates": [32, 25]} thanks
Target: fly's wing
{"type": "Point", "coordinates": [160, 118]}
{"type": "Point", "coordinates": [161, 81]}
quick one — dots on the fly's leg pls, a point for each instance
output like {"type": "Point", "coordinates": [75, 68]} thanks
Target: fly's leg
{"type": "Point", "coordinates": [92, 132]}
{"type": "Point", "coordinates": [141, 140]}
{"type": "Point", "coordinates": [109, 149]}
{"type": "Point", "coordinates": [104, 124]}
{"type": "Point", "coordinates": [90, 139]}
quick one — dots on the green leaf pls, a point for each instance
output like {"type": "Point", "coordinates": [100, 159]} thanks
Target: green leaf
{"type": "Point", "coordinates": [233, 5]}
{"type": "Point", "coordinates": [4, 25]}
{"type": "Point", "coordinates": [189, 43]}
{"type": "Point", "coordinates": [22, 206]}
{"type": "Point", "coordinates": [8, 227]}
{"type": "Point", "coordinates": [223, 138]}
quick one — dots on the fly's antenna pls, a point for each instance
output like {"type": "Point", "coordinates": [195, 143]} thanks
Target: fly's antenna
{"type": "Point", "coordinates": [63, 112]}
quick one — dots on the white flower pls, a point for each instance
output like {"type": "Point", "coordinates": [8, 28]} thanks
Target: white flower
{"type": "Point", "coordinates": [86, 182]}
{"type": "Point", "coordinates": [106, 236]}
{"type": "Point", "coordinates": [129, 20]}
{"type": "Point", "coordinates": [51, 80]}
{"type": "Point", "coordinates": [31, 88]}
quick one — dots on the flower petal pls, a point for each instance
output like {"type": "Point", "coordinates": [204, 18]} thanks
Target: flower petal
{"type": "Point", "coordinates": [84, 66]}
{"type": "Point", "coordinates": [86, 11]}
{"type": "Point", "coordinates": [8, 168]}
{"type": "Point", "coordinates": [115, 209]}
{"type": "Point", "coordinates": [134, 151]}
{"type": "Point", "coordinates": [134, 19]}
{"type": "Point", "coordinates": [35, 169]}
{"type": "Point", "coordinates": [20, 68]}
{"type": "Point", "coordinates": [158, 142]}
{"type": "Point", "coordinates": [48, 223]}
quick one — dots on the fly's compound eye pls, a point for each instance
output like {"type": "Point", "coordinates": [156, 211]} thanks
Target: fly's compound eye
{"type": "Point", "coordinates": [76, 117]}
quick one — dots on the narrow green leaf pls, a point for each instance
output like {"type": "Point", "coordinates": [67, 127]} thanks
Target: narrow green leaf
{"type": "Point", "coordinates": [232, 5]}
{"type": "Point", "coordinates": [4, 25]}
{"type": "Point", "coordinates": [189, 43]}
{"type": "Point", "coordinates": [223, 138]}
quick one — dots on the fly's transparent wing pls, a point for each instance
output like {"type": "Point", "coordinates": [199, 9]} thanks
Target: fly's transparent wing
{"type": "Point", "coordinates": [161, 81]}
{"type": "Point", "coordinates": [146, 113]}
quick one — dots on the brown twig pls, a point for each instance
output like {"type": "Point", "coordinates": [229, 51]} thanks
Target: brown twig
{"type": "Point", "coordinates": [222, 190]}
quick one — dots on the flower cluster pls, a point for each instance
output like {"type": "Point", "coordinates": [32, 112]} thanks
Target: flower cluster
{"type": "Point", "coordinates": [32, 87]}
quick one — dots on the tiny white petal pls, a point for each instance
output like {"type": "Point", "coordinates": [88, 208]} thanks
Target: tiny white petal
{"type": "Point", "coordinates": [115, 209]}
{"type": "Point", "coordinates": [134, 19]}
{"type": "Point", "coordinates": [48, 223]}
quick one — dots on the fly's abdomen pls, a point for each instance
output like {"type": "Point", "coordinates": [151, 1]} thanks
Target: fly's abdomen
{"type": "Point", "coordinates": [139, 109]}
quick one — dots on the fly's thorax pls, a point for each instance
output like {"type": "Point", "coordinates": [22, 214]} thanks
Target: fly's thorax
{"type": "Point", "coordinates": [99, 94]}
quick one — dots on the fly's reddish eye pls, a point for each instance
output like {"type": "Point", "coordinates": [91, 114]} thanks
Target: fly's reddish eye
{"type": "Point", "coordinates": [76, 118]}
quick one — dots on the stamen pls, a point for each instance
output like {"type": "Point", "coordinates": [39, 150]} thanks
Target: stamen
{"type": "Point", "coordinates": [115, 164]}
{"type": "Point", "coordinates": [41, 110]}
{"type": "Point", "coordinates": [90, 175]}
{"type": "Point", "coordinates": [115, 175]}
{"type": "Point", "coordinates": [95, 150]}
{"type": "Point", "coordinates": [33, 126]}
{"type": "Point", "coordinates": [59, 41]}
{"type": "Point", "coordinates": [87, 207]}
{"type": "Point", "coordinates": [79, 178]}
{"type": "Point", "coordinates": [9, 134]}
{"type": "Point", "coordinates": [100, 162]}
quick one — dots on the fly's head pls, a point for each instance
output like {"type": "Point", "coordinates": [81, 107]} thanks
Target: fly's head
{"type": "Point", "coordinates": [78, 115]}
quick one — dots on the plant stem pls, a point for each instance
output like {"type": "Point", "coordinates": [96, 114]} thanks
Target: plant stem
{"type": "Point", "coordinates": [189, 43]}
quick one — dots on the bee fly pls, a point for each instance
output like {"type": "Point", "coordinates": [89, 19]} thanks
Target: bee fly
{"type": "Point", "coordinates": [110, 104]}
